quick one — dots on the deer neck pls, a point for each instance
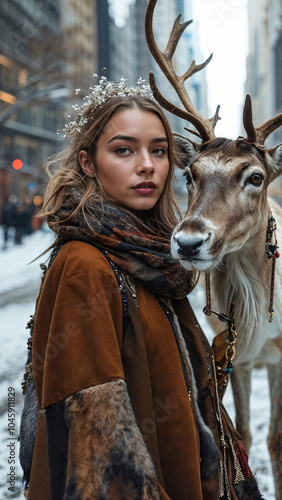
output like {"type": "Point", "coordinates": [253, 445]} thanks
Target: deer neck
{"type": "Point", "coordinates": [244, 280]}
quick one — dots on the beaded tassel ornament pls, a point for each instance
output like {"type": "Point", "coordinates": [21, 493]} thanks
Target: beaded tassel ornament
{"type": "Point", "coordinates": [231, 336]}
{"type": "Point", "coordinates": [271, 250]}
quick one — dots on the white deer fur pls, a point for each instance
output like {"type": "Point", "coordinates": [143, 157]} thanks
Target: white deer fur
{"type": "Point", "coordinates": [234, 254]}
{"type": "Point", "coordinates": [246, 274]}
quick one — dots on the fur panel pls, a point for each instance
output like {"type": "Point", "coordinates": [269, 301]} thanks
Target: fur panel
{"type": "Point", "coordinates": [108, 458]}
{"type": "Point", "coordinates": [28, 427]}
{"type": "Point", "coordinates": [248, 490]}
{"type": "Point", "coordinates": [208, 448]}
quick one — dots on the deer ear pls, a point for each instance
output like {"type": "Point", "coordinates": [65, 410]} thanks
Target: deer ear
{"type": "Point", "coordinates": [185, 151]}
{"type": "Point", "coordinates": [276, 164]}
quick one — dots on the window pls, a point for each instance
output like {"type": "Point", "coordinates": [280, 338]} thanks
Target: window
{"type": "Point", "coordinates": [278, 73]}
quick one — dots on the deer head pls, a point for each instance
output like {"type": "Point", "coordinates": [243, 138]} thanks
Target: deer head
{"type": "Point", "coordinates": [226, 179]}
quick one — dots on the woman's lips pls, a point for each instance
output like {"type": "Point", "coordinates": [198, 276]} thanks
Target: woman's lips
{"type": "Point", "coordinates": [145, 187]}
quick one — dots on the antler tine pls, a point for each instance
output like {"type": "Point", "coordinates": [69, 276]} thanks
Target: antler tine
{"type": "Point", "coordinates": [194, 68]}
{"type": "Point", "coordinates": [267, 128]}
{"type": "Point", "coordinates": [192, 132]}
{"type": "Point", "coordinates": [175, 110]}
{"type": "Point", "coordinates": [196, 145]}
{"type": "Point", "coordinates": [248, 120]}
{"type": "Point", "coordinates": [164, 60]}
{"type": "Point", "coordinates": [174, 38]}
{"type": "Point", "coordinates": [258, 135]}
{"type": "Point", "coordinates": [175, 35]}
{"type": "Point", "coordinates": [216, 116]}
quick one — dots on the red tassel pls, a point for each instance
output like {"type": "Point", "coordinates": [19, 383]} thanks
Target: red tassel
{"type": "Point", "coordinates": [243, 459]}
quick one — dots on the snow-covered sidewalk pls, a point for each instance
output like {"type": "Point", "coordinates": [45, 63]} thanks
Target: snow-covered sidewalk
{"type": "Point", "coordinates": [18, 286]}
{"type": "Point", "coordinates": [18, 289]}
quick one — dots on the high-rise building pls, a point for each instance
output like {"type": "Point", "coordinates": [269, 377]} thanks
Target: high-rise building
{"type": "Point", "coordinates": [29, 96]}
{"type": "Point", "coordinates": [264, 69]}
{"type": "Point", "coordinates": [103, 36]}
{"type": "Point", "coordinates": [264, 63]}
{"type": "Point", "coordinates": [79, 27]}
{"type": "Point", "coordinates": [47, 49]}
{"type": "Point", "coordinates": [130, 56]}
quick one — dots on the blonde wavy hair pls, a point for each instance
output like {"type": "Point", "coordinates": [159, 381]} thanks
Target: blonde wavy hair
{"type": "Point", "coordinates": [66, 174]}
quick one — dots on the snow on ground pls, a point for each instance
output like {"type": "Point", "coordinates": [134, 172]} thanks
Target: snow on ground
{"type": "Point", "coordinates": [15, 268]}
{"type": "Point", "coordinates": [18, 288]}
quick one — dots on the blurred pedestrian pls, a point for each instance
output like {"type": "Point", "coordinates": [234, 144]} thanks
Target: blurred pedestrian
{"type": "Point", "coordinates": [8, 218]}
{"type": "Point", "coordinates": [19, 222]}
{"type": "Point", "coordinates": [29, 210]}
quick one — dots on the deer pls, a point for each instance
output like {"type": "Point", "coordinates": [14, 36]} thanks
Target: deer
{"type": "Point", "coordinates": [230, 233]}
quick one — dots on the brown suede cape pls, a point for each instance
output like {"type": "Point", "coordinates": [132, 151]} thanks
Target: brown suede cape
{"type": "Point", "coordinates": [78, 344]}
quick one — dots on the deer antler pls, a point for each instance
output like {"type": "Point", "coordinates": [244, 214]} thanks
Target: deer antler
{"type": "Point", "coordinates": [205, 126]}
{"type": "Point", "coordinates": [258, 135]}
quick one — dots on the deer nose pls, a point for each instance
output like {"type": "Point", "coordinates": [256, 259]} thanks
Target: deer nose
{"type": "Point", "coordinates": [189, 247]}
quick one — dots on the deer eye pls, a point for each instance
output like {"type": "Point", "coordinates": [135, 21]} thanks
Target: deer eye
{"type": "Point", "coordinates": [256, 179]}
{"type": "Point", "coordinates": [188, 177]}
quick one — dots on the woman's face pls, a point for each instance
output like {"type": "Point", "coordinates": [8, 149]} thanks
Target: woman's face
{"type": "Point", "coordinates": [131, 160]}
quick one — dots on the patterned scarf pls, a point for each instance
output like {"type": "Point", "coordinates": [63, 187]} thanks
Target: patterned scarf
{"type": "Point", "coordinates": [143, 256]}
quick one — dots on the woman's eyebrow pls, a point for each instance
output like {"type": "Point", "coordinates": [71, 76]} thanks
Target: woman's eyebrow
{"type": "Point", "coordinates": [159, 139]}
{"type": "Point", "coordinates": [123, 138]}
{"type": "Point", "coordinates": [133, 139]}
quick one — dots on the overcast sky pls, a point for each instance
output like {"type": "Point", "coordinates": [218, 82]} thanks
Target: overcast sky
{"type": "Point", "coordinates": [223, 31]}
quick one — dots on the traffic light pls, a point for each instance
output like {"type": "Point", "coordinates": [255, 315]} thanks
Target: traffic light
{"type": "Point", "coordinates": [17, 164]}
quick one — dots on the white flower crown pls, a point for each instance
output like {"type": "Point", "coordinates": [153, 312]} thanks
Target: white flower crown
{"type": "Point", "coordinates": [99, 94]}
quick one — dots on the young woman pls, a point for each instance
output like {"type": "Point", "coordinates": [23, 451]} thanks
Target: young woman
{"type": "Point", "coordinates": [123, 373]}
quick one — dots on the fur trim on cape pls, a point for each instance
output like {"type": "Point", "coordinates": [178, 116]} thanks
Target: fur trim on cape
{"type": "Point", "coordinates": [108, 458]}
{"type": "Point", "coordinates": [28, 428]}
{"type": "Point", "coordinates": [248, 490]}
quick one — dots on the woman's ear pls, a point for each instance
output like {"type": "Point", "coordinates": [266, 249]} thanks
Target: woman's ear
{"type": "Point", "coordinates": [86, 163]}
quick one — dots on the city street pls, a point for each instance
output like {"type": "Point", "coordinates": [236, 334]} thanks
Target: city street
{"type": "Point", "coordinates": [18, 289]}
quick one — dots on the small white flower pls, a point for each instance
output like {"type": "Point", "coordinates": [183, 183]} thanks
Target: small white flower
{"type": "Point", "coordinates": [99, 94]}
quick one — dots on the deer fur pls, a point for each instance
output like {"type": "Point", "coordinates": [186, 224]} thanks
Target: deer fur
{"type": "Point", "coordinates": [224, 232]}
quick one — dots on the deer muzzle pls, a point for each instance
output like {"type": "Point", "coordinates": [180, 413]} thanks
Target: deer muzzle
{"type": "Point", "coordinates": [196, 250]}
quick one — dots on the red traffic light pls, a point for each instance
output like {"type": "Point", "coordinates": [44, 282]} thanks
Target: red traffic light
{"type": "Point", "coordinates": [17, 164]}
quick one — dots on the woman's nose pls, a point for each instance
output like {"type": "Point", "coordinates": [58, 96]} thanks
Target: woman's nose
{"type": "Point", "coordinates": [145, 162]}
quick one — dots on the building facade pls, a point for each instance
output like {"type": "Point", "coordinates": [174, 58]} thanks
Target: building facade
{"type": "Point", "coordinates": [28, 101]}
{"type": "Point", "coordinates": [47, 48]}
{"type": "Point", "coordinates": [264, 69]}
{"type": "Point", "coordinates": [264, 63]}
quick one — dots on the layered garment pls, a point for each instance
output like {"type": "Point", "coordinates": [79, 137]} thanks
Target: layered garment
{"type": "Point", "coordinates": [118, 414]}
